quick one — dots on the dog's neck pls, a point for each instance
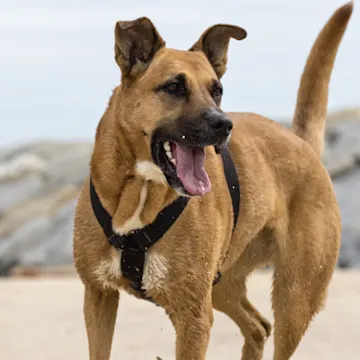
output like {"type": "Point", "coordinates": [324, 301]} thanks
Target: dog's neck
{"type": "Point", "coordinates": [130, 186]}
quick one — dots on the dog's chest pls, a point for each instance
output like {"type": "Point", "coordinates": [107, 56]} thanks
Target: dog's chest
{"type": "Point", "coordinates": [156, 268]}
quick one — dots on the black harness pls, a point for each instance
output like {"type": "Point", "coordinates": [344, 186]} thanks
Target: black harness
{"type": "Point", "coordinates": [135, 244]}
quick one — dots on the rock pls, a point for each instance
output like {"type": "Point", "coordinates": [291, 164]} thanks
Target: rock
{"type": "Point", "coordinates": [19, 191]}
{"type": "Point", "coordinates": [48, 150]}
{"type": "Point", "coordinates": [350, 248]}
{"type": "Point", "coordinates": [20, 166]}
{"type": "Point", "coordinates": [39, 186]}
{"type": "Point", "coordinates": [343, 116]}
{"type": "Point", "coordinates": [36, 208]}
{"type": "Point", "coordinates": [335, 119]}
{"type": "Point", "coordinates": [56, 242]}
{"type": "Point", "coordinates": [40, 183]}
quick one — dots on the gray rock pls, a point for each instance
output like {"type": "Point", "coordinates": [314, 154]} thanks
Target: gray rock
{"type": "Point", "coordinates": [47, 150]}
{"type": "Point", "coordinates": [19, 191]}
{"type": "Point", "coordinates": [22, 241]}
{"type": "Point", "coordinates": [350, 248]}
{"type": "Point", "coordinates": [20, 166]}
{"type": "Point", "coordinates": [55, 243]}
{"type": "Point", "coordinates": [71, 168]}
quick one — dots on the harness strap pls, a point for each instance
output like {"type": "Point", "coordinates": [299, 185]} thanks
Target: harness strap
{"type": "Point", "coordinates": [135, 244]}
{"type": "Point", "coordinates": [232, 182]}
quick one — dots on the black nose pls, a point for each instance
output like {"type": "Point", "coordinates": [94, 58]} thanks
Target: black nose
{"type": "Point", "coordinates": [219, 121]}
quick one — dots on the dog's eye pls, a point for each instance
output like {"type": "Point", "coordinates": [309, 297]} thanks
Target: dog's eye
{"type": "Point", "coordinates": [175, 88]}
{"type": "Point", "coordinates": [217, 92]}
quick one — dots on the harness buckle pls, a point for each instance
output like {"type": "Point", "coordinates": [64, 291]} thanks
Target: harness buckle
{"type": "Point", "coordinates": [141, 240]}
{"type": "Point", "coordinates": [118, 241]}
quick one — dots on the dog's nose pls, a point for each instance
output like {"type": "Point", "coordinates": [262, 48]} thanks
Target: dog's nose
{"type": "Point", "coordinates": [219, 121]}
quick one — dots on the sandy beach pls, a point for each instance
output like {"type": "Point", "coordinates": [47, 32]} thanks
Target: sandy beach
{"type": "Point", "coordinates": [42, 319]}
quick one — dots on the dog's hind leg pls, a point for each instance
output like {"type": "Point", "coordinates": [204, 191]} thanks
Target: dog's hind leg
{"type": "Point", "coordinates": [100, 309]}
{"type": "Point", "coordinates": [295, 302]}
{"type": "Point", "coordinates": [304, 264]}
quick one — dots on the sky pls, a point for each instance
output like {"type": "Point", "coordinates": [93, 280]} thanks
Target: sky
{"type": "Point", "coordinates": [57, 67]}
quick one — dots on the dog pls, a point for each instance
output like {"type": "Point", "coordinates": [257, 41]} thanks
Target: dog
{"type": "Point", "coordinates": [158, 141]}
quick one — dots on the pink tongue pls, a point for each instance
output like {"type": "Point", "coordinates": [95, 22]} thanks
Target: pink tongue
{"type": "Point", "coordinates": [190, 169]}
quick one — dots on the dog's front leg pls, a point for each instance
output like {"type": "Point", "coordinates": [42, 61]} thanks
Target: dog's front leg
{"type": "Point", "coordinates": [100, 309]}
{"type": "Point", "coordinates": [192, 320]}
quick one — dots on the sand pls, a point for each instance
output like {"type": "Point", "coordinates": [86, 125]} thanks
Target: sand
{"type": "Point", "coordinates": [42, 319]}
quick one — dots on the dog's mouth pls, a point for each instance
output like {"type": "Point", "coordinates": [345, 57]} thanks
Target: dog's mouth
{"type": "Point", "coordinates": [184, 167]}
{"type": "Point", "coordinates": [182, 163]}
{"type": "Point", "coordinates": [178, 148]}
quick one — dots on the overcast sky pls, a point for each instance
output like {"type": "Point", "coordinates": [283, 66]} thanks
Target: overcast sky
{"type": "Point", "coordinates": [57, 68]}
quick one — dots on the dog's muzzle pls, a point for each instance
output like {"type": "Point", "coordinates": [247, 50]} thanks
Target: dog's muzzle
{"type": "Point", "coordinates": [178, 149]}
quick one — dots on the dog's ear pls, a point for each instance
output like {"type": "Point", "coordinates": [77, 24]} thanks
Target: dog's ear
{"type": "Point", "coordinates": [136, 42]}
{"type": "Point", "coordinates": [214, 43]}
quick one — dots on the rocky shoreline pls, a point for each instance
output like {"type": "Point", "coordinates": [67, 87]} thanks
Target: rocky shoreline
{"type": "Point", "coordinates": [40, 183]}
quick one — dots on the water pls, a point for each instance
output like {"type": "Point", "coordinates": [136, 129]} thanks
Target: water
{"type": "Point", "coordinates": [57, 68]}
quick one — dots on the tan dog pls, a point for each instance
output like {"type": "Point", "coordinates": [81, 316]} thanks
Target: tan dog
{"type": "Point", "coordinates": [289, 215]}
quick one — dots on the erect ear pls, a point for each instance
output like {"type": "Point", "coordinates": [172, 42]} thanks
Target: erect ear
{"type": "Point", "coordinates": [214, 43]}
{"type": "Point", "coordinates": [136, 42]}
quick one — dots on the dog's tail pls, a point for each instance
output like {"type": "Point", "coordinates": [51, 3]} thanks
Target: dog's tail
{"type": "Point", "coordinates": [311, 107]}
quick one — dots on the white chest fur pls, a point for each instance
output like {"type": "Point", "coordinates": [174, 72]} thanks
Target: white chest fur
{"type": "Point", "coordinates": [156, 265]}
{"type": "Point", "coordinates": [154, 276]}
{"type": "Point", "coordinates": [135, 222]}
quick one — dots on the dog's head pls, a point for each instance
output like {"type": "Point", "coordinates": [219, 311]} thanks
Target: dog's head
{"type": "Point", "coordinates": [173, 97]}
